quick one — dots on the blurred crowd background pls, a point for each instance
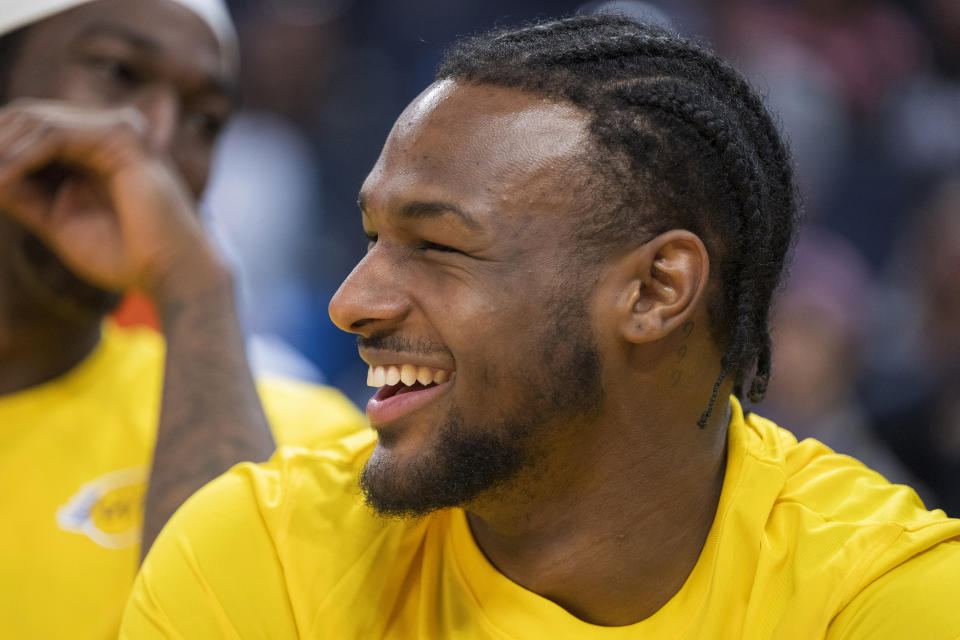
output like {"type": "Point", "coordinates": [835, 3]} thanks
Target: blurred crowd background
{"type": "Point", "coordinates": [867, 328]}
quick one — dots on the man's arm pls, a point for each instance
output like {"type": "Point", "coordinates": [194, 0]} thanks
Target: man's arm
{"type": "Point", "coordinates": [124, 219]}
{"type": "Point", "coordinates": [210, 414]}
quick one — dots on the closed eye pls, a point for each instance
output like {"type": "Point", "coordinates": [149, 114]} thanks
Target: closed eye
{"type": "Point", "coordinates": [207, 125]}
{"type": "Point", "coordinates": [433, 246]}
{"type": "Point", "coordinates": [114, 69]}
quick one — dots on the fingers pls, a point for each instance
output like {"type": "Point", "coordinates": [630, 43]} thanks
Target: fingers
{"type": "Point", "coordinates": [86, 182]}
{"type": "Point", "coordinates": [43, 143]}
{"type": "Point", "coordinates": [36, 134]}
{"type": "Point", "coordinates": [25, 110]}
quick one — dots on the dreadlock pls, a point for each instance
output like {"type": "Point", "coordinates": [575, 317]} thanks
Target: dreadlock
{"type": "Point", "coordinates": [685, 143]}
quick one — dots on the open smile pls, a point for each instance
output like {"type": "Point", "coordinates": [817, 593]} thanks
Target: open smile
{"type": "Point", "coordinates": [403, 389]}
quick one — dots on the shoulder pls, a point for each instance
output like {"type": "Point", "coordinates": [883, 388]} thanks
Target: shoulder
{"type": "Point", "coordinates": [838, 488]}
{"type": "Point", "coordinates": [916, 599]}
{"type": "Point", "coordinates": [138, 343]}
{"type": "Point", "coordinates": [195, 577]}
{"type": "Point", "coordinates": [268, 495]}
{"type": "Point", "coordinates": [265, 525]}
{"type": "Point", "coordinates": [848, 532]}
{"type": "Point", "coordinates": [122, 379]}
{"type": "Point", "coordinates": [300, 413]}
{"type": "Point", "coordinates": [133, 351]}
{"type": "Point", "coordinates": [306, 414]}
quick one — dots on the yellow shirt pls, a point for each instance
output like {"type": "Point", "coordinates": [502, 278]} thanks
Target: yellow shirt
{"type": "Point", "coordinates": [806, 544]}
{"type": "Point", "coordinates": [74, 458]}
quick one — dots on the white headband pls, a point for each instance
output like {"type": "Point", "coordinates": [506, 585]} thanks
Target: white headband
{"type": "Point", "coordinates": [20, 13]}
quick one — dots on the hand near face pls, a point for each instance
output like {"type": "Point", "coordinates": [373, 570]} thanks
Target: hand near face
{"type": "Point", "coordinates": [87, 183]}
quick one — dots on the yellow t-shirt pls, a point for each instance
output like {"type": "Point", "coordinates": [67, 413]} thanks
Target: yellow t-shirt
{"type": "Point", "coordinates": [74, 458]}
{"type": "Point", "coordinates": [806, 544]}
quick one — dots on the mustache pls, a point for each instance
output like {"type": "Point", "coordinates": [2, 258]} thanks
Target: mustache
{"type": "Point", "coordinates": [386, 341]}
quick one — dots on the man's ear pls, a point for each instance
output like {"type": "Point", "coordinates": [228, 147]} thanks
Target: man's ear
{"type": "Point", "coordinates": [661, 283]}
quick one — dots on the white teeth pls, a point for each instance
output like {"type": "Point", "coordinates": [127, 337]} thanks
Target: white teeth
{"type": "Point", "coordinates": [408, 374]}
{"type": "Point", "coordinates": [393, 375]}
{"type": "Point", "coordinates": [424, 376]}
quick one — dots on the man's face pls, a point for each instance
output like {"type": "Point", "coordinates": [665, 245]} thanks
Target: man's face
{"type": "Point", "coordinates": [470, 210]}
{"type": "Point", "coordinates": [154, 55]}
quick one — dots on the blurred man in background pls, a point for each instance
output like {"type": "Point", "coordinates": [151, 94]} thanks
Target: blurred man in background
{"type": "Point", "coordinates": [79, 397]}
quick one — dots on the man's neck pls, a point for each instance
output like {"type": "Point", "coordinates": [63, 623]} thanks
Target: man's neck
{"type": "Point", "coordinates": [36, 351]}
{"type": "Point", "coordinates": [616, 535]}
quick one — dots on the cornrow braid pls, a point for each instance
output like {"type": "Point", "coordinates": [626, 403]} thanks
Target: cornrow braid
{"type": "Point", "coordinates": [703, 114]}
{"type": "Point", "coordinates": [682, 142]}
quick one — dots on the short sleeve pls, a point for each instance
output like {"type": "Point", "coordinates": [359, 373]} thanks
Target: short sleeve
{"type": "Point", "coordinates": [213, 571]}
{"type": "Point", "coordinates": [918, 599]}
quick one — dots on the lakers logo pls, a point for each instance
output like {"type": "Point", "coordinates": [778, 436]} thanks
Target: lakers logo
{"type": "Point", "coordinates": [109, 509]}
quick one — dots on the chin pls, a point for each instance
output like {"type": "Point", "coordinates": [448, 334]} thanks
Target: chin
{"type": "Point", "coordinates": [460, 465]}
{"type": "Point", "coordinates": [51, 283]}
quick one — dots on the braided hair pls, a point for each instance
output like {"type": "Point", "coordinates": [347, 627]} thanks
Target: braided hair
{"type": "Point", "coordinates": [680, 141]}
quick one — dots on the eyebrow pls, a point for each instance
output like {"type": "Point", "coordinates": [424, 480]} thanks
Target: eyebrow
{"type": "Point", "coordinates": [418, 210]}
{"type": "Point", "coordinates": [227, 88]}
{"type": "Point", "coordinates": [132, 38]}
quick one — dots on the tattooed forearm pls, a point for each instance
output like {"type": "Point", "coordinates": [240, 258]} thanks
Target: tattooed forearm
{"type": "Point", "coordinates": [210, 416]}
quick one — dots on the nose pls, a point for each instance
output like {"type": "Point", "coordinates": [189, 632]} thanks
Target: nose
{"type": "Point", "coordinates": [372, 298]}
{"type": "Point", "coordinates": [161, 108]}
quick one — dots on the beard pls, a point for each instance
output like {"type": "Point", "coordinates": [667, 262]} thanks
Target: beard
{"type": "Point", "coordinates": [462, 464]}
{"type": "Point", "coordinates": [472, 459]}
{"type": "Point", "coordinates": [51, 282]}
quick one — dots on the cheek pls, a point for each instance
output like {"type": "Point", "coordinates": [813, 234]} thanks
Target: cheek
{"type": "Point", "coordinates": [486, 299]}
{"type": "Point", "coordinates": [502, 347]}
{"type": "Point", "coordinates": [488, 321]}
{"type": "Point", "coordinates": [193, 162]}
{"type": "Point", "coordinates": [498, 324]}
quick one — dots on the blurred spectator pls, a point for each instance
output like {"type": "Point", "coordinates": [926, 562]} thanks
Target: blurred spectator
{"type": "Point", "coordinates": [292, 51]}
{"type": "Point", "coordinates": [819, 341]}
{"type": "Point", "coordinates": [922, 119]}
{"type": "Point", "coordinates": [829, 67]}
{"type": "Point", "coordinates": [261, 198]}
{"type": "Point", "coordinates": [915, 385]}
{"type": "Point", "coordinates": [863, 48]}
{"type": "Point", "coordinates": [268, 199]}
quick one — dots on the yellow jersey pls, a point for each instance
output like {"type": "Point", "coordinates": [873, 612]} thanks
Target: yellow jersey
{"type": "Point", "coordinates": [806, 544]}
{"type": "Point", "coordinates": [74, 458]}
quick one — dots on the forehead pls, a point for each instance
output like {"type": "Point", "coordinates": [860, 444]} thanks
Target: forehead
{"type": "Point", "coordinates": [162, 27]}
{"type": "Point", "coordinates": [481, 146]}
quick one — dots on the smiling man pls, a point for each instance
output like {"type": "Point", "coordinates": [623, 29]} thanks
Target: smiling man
{"type": "Point", "coordinates": [575, 234]}
{"type": "Point", "coordinates": [110, 111]}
